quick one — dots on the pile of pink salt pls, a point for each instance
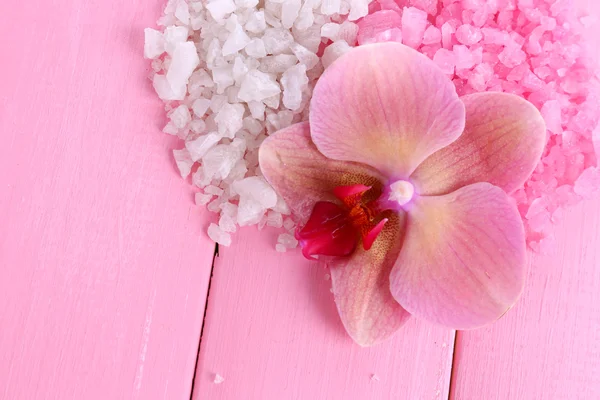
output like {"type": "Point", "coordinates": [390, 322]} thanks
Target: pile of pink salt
{"type": "Point", "coordinates": [532, 48]}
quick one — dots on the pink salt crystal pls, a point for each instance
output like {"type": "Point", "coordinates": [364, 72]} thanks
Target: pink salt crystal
{"type": "Point", "coordinates": [505, 19]}
{"type": "Point", "coordinates": [447, 32]}
{"type": "Point", "coordinates": [445, 59]}
{"type": "Point", "coordinates": [374, 24]}
{"type": "Point", "coordinates": [432, 35]}
{"type": "Point", "coordinates": [531, 81]}
{"type": "Point", "coordinates": [543, 72]}
{"type": "Point", "coordinates": [512, 56]}
{"type": "Point", "coordinates": [495, 36]}
{"type": "Point", "coordinates": [391, 35]}
{"type": "Point", "coordinates": [463, 57]}
{"type": "Point", "coordinates": [551, 113]}
{"type": "Point", "coordinates": [468, 34]}
{"type": "Point", "coordinates": [429, 6]}
{"type": "Point", "coordinates": [588, 183]}
{"type": "Point", "coordinates": [414, 23]}
{"type": "Point", "coordinates": [517, 73]}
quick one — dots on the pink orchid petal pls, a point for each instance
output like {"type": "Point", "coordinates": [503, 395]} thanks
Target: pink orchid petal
{"type": "Point", "coordinates": [361, 287]}
{"type": "Point", "coordinates": [328, 232]}
{"type": "Point", "coordinates": [387, 106]}
{"type": "Point", "coordinates": [502, 144]}
{"type": "Point", "coordinates": [462, 262]}
{"type": "Point", "coordinates": [301, 175]}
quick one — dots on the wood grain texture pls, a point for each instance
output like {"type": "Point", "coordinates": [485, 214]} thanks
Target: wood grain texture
{"type": "Point", "coordinates": [104, 264]}
{"type": "Point", "coordinates": [272, 331]}
{"type": "Point", "coordinates": [548, 346]}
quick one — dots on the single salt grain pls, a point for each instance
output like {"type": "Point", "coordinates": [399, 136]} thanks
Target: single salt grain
{"type": "Point", "coordinates": [432, 35]}
{"type": "Point", "coordinates": [256, 48]}
{"type": "Point", "coordinates": [588, 182]}
{"type": "Point", "coordinates": [330, 7]}
{"type": "Point", "coordinates": [414, 23]}
{"type": "Point", "coordinates": [236, 41]}
{"type": "Point", "coordinates": [218, 378]}
{"type": "Point", "coordinates": [294, 81]}
{"type": "Point", "coordinates": [290, 10]}
{"type": "Point", "coordinates": [227, 223]}
{"type": "Point", "coordinates": [445, 59]}
{"type": "Point", "coordinates": [280, 248]}
{"type": "Point", "coordinates": [274, 219]}
{"type": "Point", "coordinates": [330, 30]}
{"type": "Point", "coordinates": [287, 240]}
{"type": "Point", "coordinates": [180, 116]}
{"type": "Point", "coordinates": [468, 34]}
{"type": "Point", "coordinates": [374, 378]}
{"type": "Point", "coordinates": [202, 199]}
{"type": "Point", "coordinates": [258, 86]}
{"type": "Point", "coordinates": [183, 62]}
{"type": "Point", "coordinates": [358, 9]}
{"type": "Point", "coordinates": [229, 119]}
{"type": "Point", "coordinates": [175, 35]}
{"type": "Point", "coordinates": [182, 13]}
{"type": "Point", "coordinates": [256, 22]}
{"type": "Point", "coordinates": [215, 190]}
{"type": "Point", "coordinates": [551, 112]}
{"type": "Point", "coordinates": [304, 56]}
{"type": "Point", "coordinates": [200, 107]}
{"type": "Point", "coordinates": [334, 51]}
{"type": "Point", "coordinates": [184, 162]}
{"type": "Point", "coordinates": [288, 224]}
{"type": "Point", "coordinates": [277, 40]}
{"type": "Point", "coordinates": [219, 9]}
{"type": "Point", "coordinates": [198, 147]}
{"type": "Point", "coordinates": [154, 43]}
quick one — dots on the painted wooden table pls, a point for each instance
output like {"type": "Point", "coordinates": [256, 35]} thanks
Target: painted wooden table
{"type": "Point", "coordinates": [105, 267]}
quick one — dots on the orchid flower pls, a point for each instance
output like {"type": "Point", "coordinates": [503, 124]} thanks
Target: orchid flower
{"type": "Point", "coordinates": [405, 186]}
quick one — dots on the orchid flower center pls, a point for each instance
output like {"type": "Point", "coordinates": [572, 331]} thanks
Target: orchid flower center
{"type": "Point", "coordinates": [401, 192]}
{"type": "Point", "coordinates": [335, 229]}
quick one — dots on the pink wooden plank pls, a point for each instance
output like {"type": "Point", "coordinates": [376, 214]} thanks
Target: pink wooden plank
{"type": "Point", "coordinates": [272, 332]}
{"type": "Point", "coordinates": [104, 266]}
{"type": "Point", "coordinates": [548, 346]}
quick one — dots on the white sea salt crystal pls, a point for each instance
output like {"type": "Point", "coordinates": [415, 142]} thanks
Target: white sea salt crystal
{"type": "Point", "coordinates": [258, 189]}
{"type": "Point", "coordinates": [330, 7]}
{"type": "Point", "coordinates": [334, 51]}
{"type": "Point", "coordinates": [163, 88]}
{"type": "Point", "coordinates": [288, 224]}
{"type": "Point", "coordinates": [200, 107]}
{"type": "Point", "coordinates": [215, 190]}
{"type": "Point", "coordinates": [289, 12]}
{"type": "Point", "coordinates": [287, 240]}
{"type": "Point", "coordinates": [237, 173]}
{"type": "Point", "coordinates": [258, 86]}
{"type": "Point", "coordinates": [274, 219]}
{"type": "Point", "coordinates": [183, 62]}
{"type": "Point", "coordinates": [277, 40]}
{"type": "Point", "coordinates": [217, 101]}
{"type": "Point", "coordinates": [306, 17]}
{"type": "Point", "coordinates": [256, 22]}
{"type": "Point", "coordinates": [197, 148]}
{"type": "Point", "coordinates": [223, 78]}
{"type": "Point", "coordinates": [154, 43]}
{"type": "Point", "coordinates": [227, 223]}
{"type": "Point", "coordinates": [330, 30]}
{"type": "Point", "coordinates": [218, 162]}
{"type": "Point", "coordinates": [358, 9]}
{"type": "Point", "coordinates": [236, 41]}
{"type": "Point", "coordinates": [184, 162]}
{"type": "Point", "coordinates": [294, 81]}
{"type": "Point", "coordinates": [305, 56]}
{"type": "Point", "coordinates": [180, 116]}
{"type": "Point", "coordinates": [246, 3]}
{"type": "Point", "coordinates": [277, 64]}
{"type": "Point", "coordinates": [309, 37]}
{"type": "Point", "coordinates": [202, 199]}
{"type": "Point", "coordinates": [197, 126]}
{"type": "Point", "coordinates": [240, 69]}
{"type": "Point", "coordinates": [173, 36]}
{"type": "Point", "coordinates": [223, 238]}
{"type": "Point", "coordinates": [199, 80]}
{"type": "Point", "coordinates": [170, 128]}
{"type": "Point", "coordinates": [219, 9]}
{"type": "Point", "coordinates": [256, 48]}
{"type": "Point", "coordinates": [273, 101]}
{"type": "Point", "coordinates": [257, 109]}
{"type": "Point", "coordinates": [229, 119]}
{"type": "Point", "coordinates": [348, 32]}
{"type": "Point", "coordinates": [182, 12]}
{"type": "Point", "coordinates": [250, 212]}
{"type": "Point", "coordinates": [253, 126]}
{"type": "Point", "coordinates": [280, 248]}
